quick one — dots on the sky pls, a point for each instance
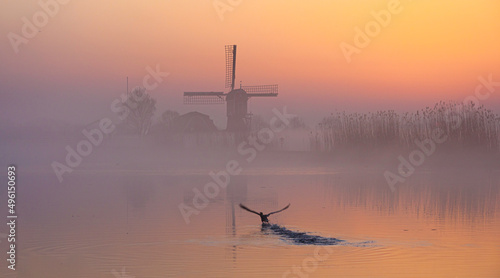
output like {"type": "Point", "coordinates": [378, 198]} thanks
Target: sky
{"type": "Point", "coordinates": [77, 62]}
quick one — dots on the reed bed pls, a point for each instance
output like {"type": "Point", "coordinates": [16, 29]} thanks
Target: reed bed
{"type": "Point", "coordinates": [465, 125]}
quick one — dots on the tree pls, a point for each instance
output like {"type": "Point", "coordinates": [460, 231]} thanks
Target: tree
{"type": "Point", "coordinates": [257, 123]}
{"type": "Point", "coordinates": [297, 123]}
{"type": "Point", "coordinates": [168, 117]}
{"type": "Point", "coordinates": [139, 108]}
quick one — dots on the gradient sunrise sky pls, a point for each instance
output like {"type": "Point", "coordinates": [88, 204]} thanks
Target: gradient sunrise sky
{"type": "Point", "coordinates": [77, 63]}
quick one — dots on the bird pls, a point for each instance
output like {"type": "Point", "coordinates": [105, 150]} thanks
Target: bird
{"type": "Point", "coordinates": [263, 217]}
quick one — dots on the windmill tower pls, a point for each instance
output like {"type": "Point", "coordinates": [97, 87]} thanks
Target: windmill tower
{"type": "Point", "coordinates": [238, 118]}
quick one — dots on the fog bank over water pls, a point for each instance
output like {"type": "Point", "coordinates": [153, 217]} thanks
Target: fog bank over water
{"type": "Point", "coordinates": [39, 151]}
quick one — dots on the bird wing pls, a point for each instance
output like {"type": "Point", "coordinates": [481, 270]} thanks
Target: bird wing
{"type": "Point", "coordinates": [245, 208]}
{"type": "Point", "coordinates": [279, 210]}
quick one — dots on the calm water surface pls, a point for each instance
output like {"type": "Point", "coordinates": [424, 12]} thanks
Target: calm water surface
{"type": "Point", "coordinates": [125, 224]}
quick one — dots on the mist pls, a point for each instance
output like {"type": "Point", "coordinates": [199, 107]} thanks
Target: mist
{"type": "Point", "coordinates": [148, 139]}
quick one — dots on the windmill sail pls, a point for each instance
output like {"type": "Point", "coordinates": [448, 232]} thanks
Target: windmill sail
{"type": "Point", "coordinates": [204, 98]}
{"type": "Point", "coordinates": [230, 65]}
{"type": "Point", "coordinates": [261, 90]}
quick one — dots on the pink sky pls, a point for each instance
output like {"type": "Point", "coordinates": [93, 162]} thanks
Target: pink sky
{"type": "Point", "coordinates": [77, 63]}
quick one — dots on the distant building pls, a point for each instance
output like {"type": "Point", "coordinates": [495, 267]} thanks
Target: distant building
{"type": "Point", "coordinates": [192, 122]}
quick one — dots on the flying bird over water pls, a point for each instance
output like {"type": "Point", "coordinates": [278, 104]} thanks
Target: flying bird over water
{"type": "Point", "coordinates": [263, 217]}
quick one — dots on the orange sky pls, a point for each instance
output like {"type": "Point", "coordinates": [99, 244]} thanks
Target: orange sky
{"type": "Point", "coordinates": [429, 51]}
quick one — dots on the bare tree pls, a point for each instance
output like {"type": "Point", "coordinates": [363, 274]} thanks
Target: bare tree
{"type": "Point", "coordinates": [139, 108]}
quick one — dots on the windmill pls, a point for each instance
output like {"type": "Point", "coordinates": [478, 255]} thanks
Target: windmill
{"type": "Point", "coordinates": [238, 118]}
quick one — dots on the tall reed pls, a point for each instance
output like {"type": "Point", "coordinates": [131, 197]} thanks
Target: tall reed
{"type": "Point", "coordinates": [466, 125]}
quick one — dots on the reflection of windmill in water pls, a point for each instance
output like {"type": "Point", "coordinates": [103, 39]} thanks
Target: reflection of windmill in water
{"type": "Point", "coordinates": [236, 192]}
{"type": "Point", "coordinates": [238, 118]}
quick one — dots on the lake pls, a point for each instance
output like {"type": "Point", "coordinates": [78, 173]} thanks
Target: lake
{"type": "Point", "coordinates": [128, 224]}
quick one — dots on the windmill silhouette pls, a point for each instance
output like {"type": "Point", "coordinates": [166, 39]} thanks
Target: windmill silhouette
{"type": "Point", "coordinates": [238, 118]}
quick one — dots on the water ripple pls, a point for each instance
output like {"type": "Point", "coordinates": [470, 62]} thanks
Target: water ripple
{"type": "Point", "coordinates": [302, 238]}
